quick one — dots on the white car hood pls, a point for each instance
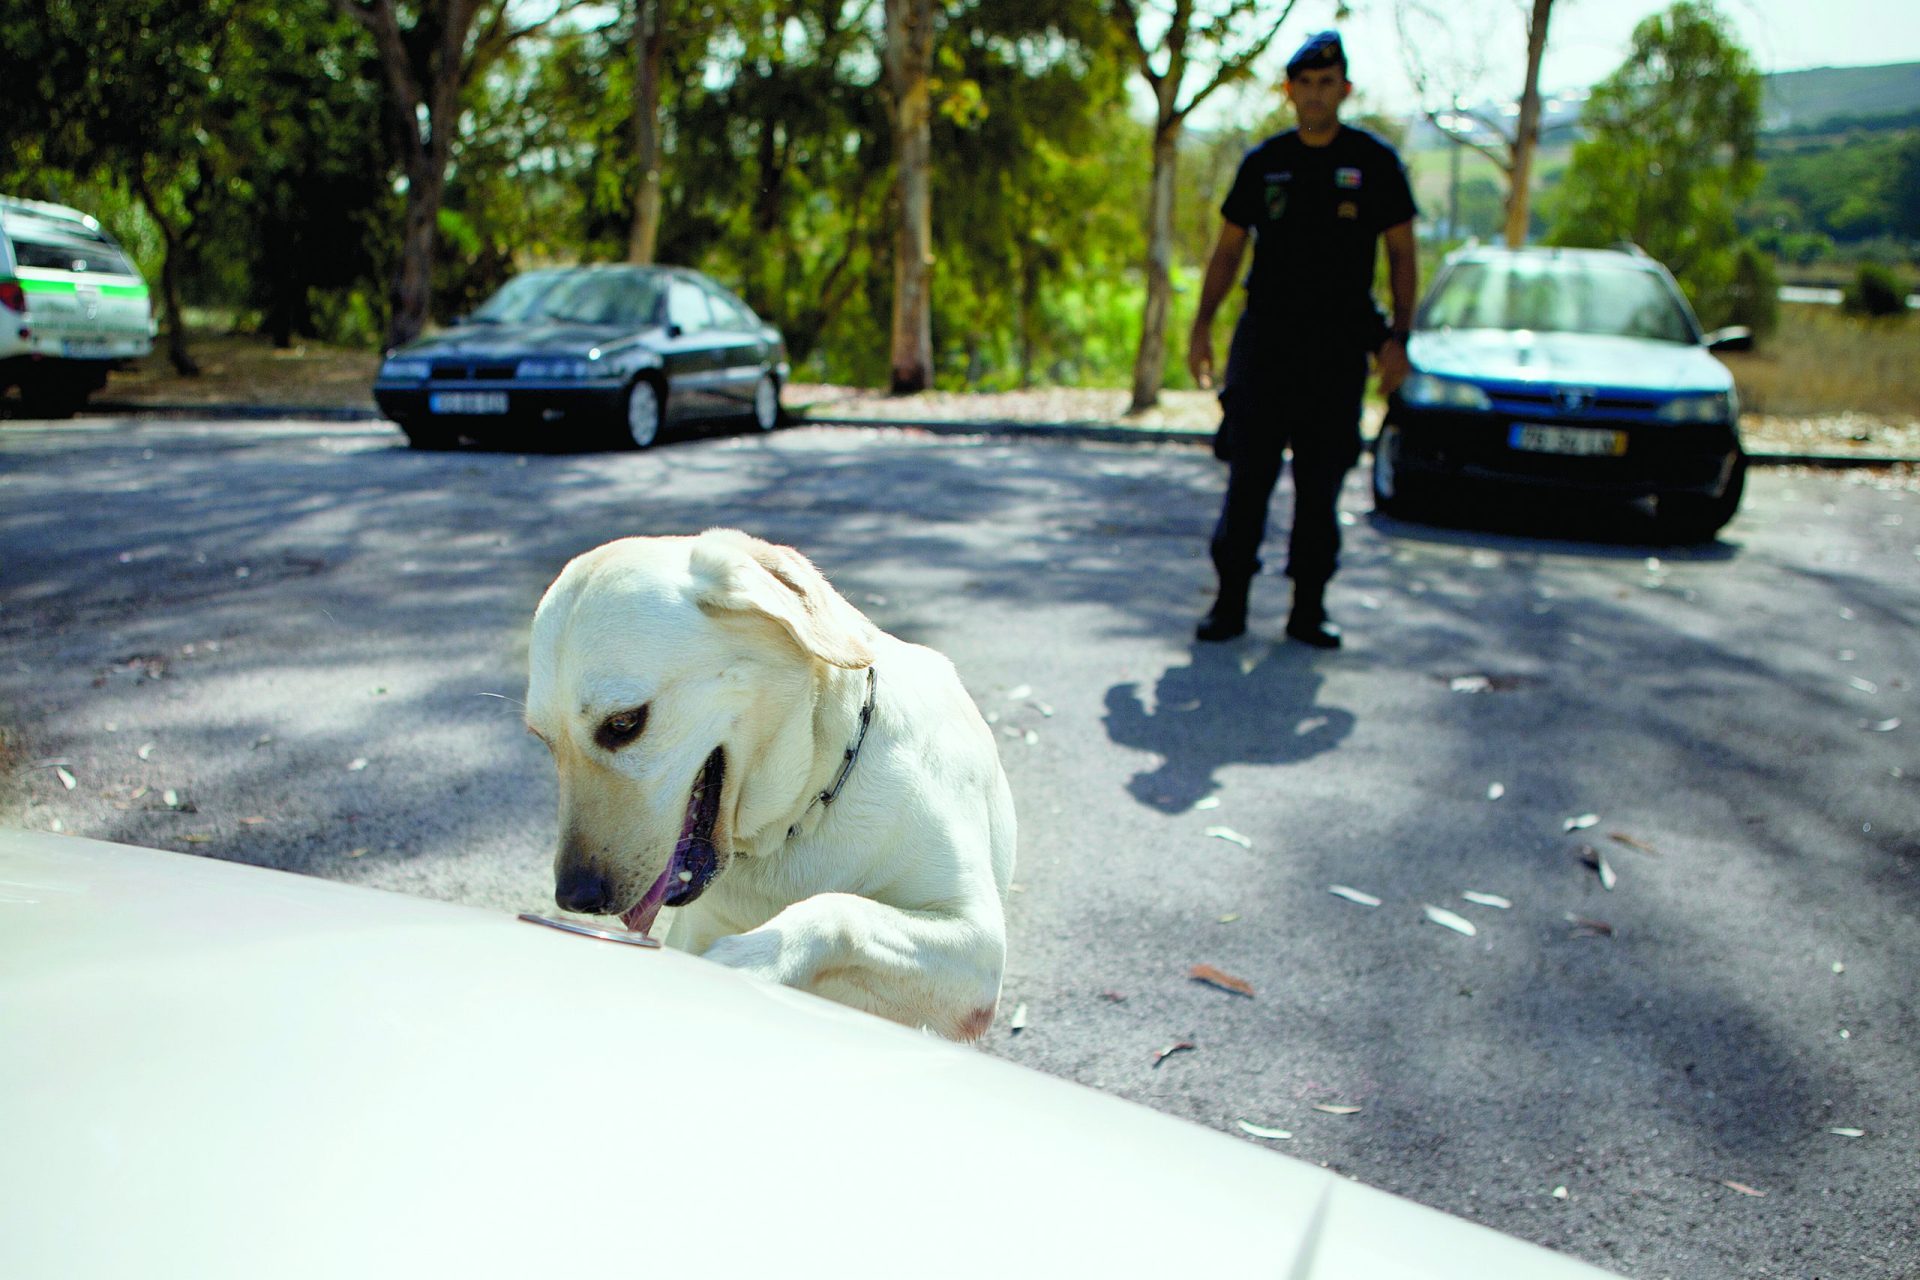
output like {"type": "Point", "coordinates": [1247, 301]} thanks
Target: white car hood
{"type": "Point", "coordinates": [1579, 359]}
{"type": "Point", "coordinates": [211, 1070]}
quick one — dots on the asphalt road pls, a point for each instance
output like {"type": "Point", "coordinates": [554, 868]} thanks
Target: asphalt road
{"type": "Point", "coordinates": [300, 645]}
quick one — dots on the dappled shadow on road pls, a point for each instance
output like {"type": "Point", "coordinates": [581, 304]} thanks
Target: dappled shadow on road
{"type": "Point", "coordinates": [1243, 704]}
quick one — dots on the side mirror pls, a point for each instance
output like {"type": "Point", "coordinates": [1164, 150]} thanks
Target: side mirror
{"type": "Point", "coordinates": [1732, 338]}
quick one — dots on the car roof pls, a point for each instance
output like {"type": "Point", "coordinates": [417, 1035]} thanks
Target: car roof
{"type": "Point", "coordinates": [216, 1070]}
{"type": "Point", "coordinates": [1628, 256]}
{"type": "Point", "coordinates": [14, 209]}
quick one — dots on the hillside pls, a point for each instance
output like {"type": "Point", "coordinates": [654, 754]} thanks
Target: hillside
{"type": "Point", "coordinates": [1799, 100]}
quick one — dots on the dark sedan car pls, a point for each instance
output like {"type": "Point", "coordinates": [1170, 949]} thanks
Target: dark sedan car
{"type": "Point", "coordinates": [1574, 369]}
{"type": "Point", "coordinates": [606, 355]}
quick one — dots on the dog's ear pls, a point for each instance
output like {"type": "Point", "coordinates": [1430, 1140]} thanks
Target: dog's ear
{"type": "Point", "coordinates": [736, 573]}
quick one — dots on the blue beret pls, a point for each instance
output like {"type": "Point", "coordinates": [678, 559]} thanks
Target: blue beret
{"type": "Point", "coordinates": [1322, 49]}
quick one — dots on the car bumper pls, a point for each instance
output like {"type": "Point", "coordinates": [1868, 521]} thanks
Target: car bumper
{"type": "Point", "coordinates": [454, 403]}
{"type": "Point", "coordinates": [1654, 458]}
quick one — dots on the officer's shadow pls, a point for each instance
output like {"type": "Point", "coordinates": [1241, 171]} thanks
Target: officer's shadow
{"type": "Point", "coordinates": [1230, 704]}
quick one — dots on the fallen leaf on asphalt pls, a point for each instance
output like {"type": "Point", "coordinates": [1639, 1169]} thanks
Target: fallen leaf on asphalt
{"type": "Point", "coordinates": [1446, 918]}
{"type": "Point", "coordinates": [1597, 860]}
{"type": "Point", "coordinates": [1179, 1046]}
{"type": "Point", "coordinates": [1881, 726]}
{"type": "Point", "coordinates": [1225, 981]}
{"type": "Point", "coordinates": [1849, 1133]}
{"type": "Point", "coordinates": [1336, 1109]}
{"type": "Point", "coordinates": [1261, 1131]}
{"type": "Point", "coordinates": [1621, 837]}
{"type": "Point", "coordinates": [1559, 1193]}
{"type": "Point", "coordinates": [1580, 823]}
{"type": "Point", "coordinates": [1864, 686]}
{"type": "Point", "coordinates": [252, 822]}
{"type": "Point", "coordinates": [1488, 899]}
{"type": "Point", "coordinates": [146, 751]}
{"type": "Point", "coordinates": [1230, 917]}
{"type": "Point", "coordinates": [1353, 895]}
{"type": "Point", "coordinates": [67, 780]}
{"type": "Point", "coordinates": [359, 763]}
{"type": "Point", "coordinates": [1742, 1188]}
{"type": "Point", "coordinates": [1019, 1020]}
{"type": "Point", "coordinates": [1206, 802]}
{"type": "Point", "coordinates": [1495, 791]}
{"type": "Point", "coordinates": [141, 792]}
{"type": "Point", "coordinates": [1585, 928]}
{"type": "Point", "coordinates": [1230, 836]}
{"type": "Point", "coordinates": [361, 852]}
{"type": "Point", "coordinates": [1018, 692]}
{"type": "Point", "coordinates": [1471, 684]}
{"type": "Point", "coordinates": [1032, 739]}
{"type": "Point", "coordinates": [198, 839]}
{"type": "Point", "coordinates": [170, 798]}
{"type": "Point", "coordinates": [1112, 997]}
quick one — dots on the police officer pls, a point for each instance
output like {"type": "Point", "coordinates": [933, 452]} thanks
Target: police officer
{"type": "Point", "coordinates": [1316, 201]}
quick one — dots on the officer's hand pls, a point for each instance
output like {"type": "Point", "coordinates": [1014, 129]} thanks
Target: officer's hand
{"type": "Point", "coordinates": [1391, 365]}
{"type": "Point", "coordinates": [1200, 357]}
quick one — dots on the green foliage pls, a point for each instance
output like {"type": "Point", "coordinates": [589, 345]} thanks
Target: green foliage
{"type": "Point", "coordinates": [1670, 154]}
{"type": "Point", "coordinates": [1753, 295]}
{"type": "Point", "coordinates": [1876, 291]}
{"type": "Point", "coordinates": [1854, 188]}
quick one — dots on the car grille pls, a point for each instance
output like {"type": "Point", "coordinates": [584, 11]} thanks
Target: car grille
{"type": "Point", "coordinates": [471, 371]}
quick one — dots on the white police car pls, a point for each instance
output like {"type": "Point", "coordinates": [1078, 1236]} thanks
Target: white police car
{"type": "Point", "coordinates": [1570, 369]}
{"type": "Point", "coordinates": [72, 306]}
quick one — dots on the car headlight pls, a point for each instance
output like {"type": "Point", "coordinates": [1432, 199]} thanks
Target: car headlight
{"type": "Point", "coordinates": [1717, 407]}
{"type": "Point", "coordinates": [1429, 391]}
{"type": "Point", "coordinates": [407, 370]}
{"type": "Point", "coordinates": [559, 368]}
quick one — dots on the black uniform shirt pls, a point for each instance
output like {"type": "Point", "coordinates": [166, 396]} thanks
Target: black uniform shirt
{"type": "Point", "coordinates": [1316, 214]}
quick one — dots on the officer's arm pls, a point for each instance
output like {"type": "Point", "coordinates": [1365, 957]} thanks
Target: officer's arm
{"type": "Point", "coordinates": [1403, 278]}
{"type": "Point", "coordinates": [1222, 269]}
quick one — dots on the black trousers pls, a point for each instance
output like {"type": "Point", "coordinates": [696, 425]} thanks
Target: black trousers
{"type": "Point", "coordinates": [1286, 391]}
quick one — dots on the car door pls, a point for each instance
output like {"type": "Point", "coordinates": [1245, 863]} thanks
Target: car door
{"type": "Point", "coordinates": [687, 352]}
{"type": "Point", "coordinates": [740, 352]}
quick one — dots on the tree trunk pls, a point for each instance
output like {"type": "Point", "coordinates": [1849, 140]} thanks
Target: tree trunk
{"type": "Point", "coordinates": [1526, 137]}
{"type": "Point", "coordinates": [648, 42]}
{"type": "Point", "coordinates": [413, 282]}
{"type": "Point", "coordinates": [1150, 365]}
{"type": "Point", "coordinates": [172, 245]}
{"type": "Point", "coordinates": [909, 61]}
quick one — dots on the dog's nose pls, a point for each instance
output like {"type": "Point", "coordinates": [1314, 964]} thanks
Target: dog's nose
{"type": "Point", "coordinates": [585, 891]}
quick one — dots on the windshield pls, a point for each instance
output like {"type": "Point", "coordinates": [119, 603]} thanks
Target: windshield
{"type": "Point", "coordinates": [1558, 295]}
{"type": "Point", "coordinates": [624, 298]}
{"type": "Point", "coordinates": [518, 299]}
{"type": "Point", "coordinates": [70, 255]}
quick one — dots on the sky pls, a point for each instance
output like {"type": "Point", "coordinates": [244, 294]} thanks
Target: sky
{"type": "Point", "coordinates": [1483, 42]}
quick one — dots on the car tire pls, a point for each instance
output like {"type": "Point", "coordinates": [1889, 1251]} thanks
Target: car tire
{"type": "Point", "coordinates": [644, 410]}
{"type": "Point", "coordinates": [1693, 517]}
{"type": "Point", "coordinates": [52, 395]}
{"type": "Point", "coordinates": [429, 437]}
{"type": "Point", "coordinates": [767, 410]}
{"type": "Point", "coordinates": [1393, 495]}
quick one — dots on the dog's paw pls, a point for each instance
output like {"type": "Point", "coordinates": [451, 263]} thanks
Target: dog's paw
{"type": "Point", "coordinates": [759, 952]}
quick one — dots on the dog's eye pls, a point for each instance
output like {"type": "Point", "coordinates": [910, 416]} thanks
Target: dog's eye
{"type": "Point", "coordinates": [620, 728]}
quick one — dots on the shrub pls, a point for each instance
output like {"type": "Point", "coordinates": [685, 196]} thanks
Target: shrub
{"type": "Point", "coordinates": [1876, 291]}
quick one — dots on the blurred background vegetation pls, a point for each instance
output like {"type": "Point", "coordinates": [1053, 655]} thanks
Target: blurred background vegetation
{"type": "Point", "coordinates": [255, 158]}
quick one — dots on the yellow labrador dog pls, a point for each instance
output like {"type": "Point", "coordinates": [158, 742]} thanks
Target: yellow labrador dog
{"type": "Point", "coordinates": [819, 801]}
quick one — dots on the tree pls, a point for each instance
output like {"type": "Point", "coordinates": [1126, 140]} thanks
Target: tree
{"type": "Point", "coordinates": [1196, 38]}
{"type": "Point", "coordinates": [428, 66]}
{"type": "Point", "coordinates": [1669, 154]}
{"type": "Point", "coordinates": [1513, 151]}
{"type": "Point", "coordinates": [909, 75]}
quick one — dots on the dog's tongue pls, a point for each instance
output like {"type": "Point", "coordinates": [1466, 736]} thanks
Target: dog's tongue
{"type": "Point", "coordinates": [640, 917]}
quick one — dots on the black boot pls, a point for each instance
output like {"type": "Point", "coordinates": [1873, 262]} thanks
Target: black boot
{"type": "Point", "coordinates": [1228, 617]}
{"type": "Point", "coordinates": [1308, 622]}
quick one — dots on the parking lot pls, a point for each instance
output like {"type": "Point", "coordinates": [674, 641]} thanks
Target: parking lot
{"type": "Point", "coordinates": [1680, 1039]}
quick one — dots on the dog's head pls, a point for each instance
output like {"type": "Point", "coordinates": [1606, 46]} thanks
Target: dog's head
{"type": "Point", "coordinates": [673, 679]}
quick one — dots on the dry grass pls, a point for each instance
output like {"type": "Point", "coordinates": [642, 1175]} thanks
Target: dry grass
{"type": "Point", "coordinates": [244, 370]}
{"type": "Point", "coordinates": [1824, 362]}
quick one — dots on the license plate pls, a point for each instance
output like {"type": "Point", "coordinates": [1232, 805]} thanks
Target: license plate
{"type": "Point", "coordinates": [468, 402]}
{"type": "Point", "coordinates": [87, 348]}
{"type": "Point", "coordinates": [1586, 442]}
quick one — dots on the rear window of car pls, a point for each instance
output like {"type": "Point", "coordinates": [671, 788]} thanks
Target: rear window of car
{"type": "Point", "coordinates": [1549, 295]}
{"type": "Point", "coordinates": [50, 254]}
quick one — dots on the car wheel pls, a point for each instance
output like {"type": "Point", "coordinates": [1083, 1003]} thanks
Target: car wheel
{"type": "Point", "coordinates": [52, 395]}
{"type": "Point", "coordinates": [767, 413]}
{"type": "Point", "coordinates": [642, 424]}
{"type": "Point", "coordinates": [1692, 517]}
{"type": "Point", "coordinates": [1390, 487]}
